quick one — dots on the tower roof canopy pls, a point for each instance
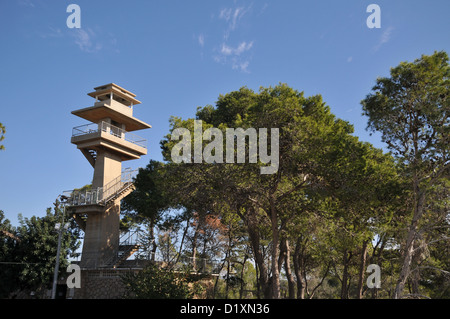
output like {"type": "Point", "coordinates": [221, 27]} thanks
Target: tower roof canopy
{"type": "Point", "coordinates": [103, 91]}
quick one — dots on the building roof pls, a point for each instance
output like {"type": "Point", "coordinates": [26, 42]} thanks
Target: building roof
{"type": "Point", "coordinates": [117, 91]}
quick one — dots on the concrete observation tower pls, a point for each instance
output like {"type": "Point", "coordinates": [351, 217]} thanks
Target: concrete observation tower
{"type": "Point", "coordinates": [106, 143]}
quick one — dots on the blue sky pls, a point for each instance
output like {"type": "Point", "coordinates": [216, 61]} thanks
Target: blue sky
{"type": "Point", "coordinates": [175, 56]}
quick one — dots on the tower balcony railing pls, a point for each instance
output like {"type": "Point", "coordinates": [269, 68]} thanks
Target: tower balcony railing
{"type": "Point", "coordinates": [78, 197]}
{"type": "Point", "coordinates": [111, 129]}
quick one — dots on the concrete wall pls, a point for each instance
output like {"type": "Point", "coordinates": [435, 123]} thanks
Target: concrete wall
{"type": "Point", "coordinates": [101, 241]}
{"type": "Point", "coordinates": [100, 284]}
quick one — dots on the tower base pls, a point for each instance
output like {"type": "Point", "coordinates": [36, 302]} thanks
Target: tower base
{"type": "Point", "coordinates": [101, 241]}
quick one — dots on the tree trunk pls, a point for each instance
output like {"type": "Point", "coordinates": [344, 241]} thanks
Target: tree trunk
{"type": "Point", "coordinates": [362, 268]}
{"type": "Point", "coordinates": [217, 278]}
{"type": "Point", "coordinates": [241, 290]}
{"type": "Point", "coordinates": [221, 267]}
{"type": "Point", "coordinates": [376, 258]}
{"type": "Point", "coordinates": [228, 279]}
{"type": "Point", "coordinates": [230, 239]}
{"type": "Point", "coordinates": [321, 281]}
{"type": "Point", "coordinates": [409, 249]}
{"type": "Point", "coordinates": [275, 250]}
{"type": "Point", "coordinates": [252, 225]}
{"type": "Point", "coordinates": [345, 275]}
{"type": "Point", "coordinates": [415, 278]}
{"type": "Point", "coordinates": [298, 265]}
{"type": "Point", "coordinates": [287, 267]}
{"type": "Point", "coordinates": [182, 241]}
{"type": "Point", "coordinates": [194, 250]}
{"type": "Point", "coordinates": [153, 241]}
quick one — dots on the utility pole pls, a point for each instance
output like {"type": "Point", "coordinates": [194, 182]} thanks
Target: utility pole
{"type": "Point", "coordinates": [60, 227]}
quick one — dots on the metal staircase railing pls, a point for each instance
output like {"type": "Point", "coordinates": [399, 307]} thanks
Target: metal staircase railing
{"type": "Point", "coordinates": [128, 244]}
{"type": "Point", "coordinates": [117, 186]}
{"type": "Point", "coordinates": [132, 237]}
{"type": "Point", "coordinates": [102, 195]}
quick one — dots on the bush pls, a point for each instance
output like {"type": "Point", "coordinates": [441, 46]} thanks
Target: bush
{"type": "Point", "coordinates": [156, 283]}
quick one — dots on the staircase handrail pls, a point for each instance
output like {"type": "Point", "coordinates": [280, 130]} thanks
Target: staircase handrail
{"type": "Point", "coordinates": [131, 237]}
{"type": "Point", "coordinates": [117, 184]}
{"type": "Point", "coordinates": [100, 195]}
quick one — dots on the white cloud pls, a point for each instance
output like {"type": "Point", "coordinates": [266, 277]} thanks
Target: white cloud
{"type": "Point", "coordinates": [201, 40]}
{"type": "Point", "coordinates": [26, 3]}
{"type": "Point", "coordinates": [263, 8]}
{"type": "Point", "coordinates": [90, 40]}
{"type": "Point", "coordinates": [237, 15]}
{"type": "Point", "coordinates": [237, 55]}
{"type": "Point", "coordinates": [85, 39]}
{"type": "Point", "coordinates": [242, 65]}
{"type": "Point", "coordinates": [232, 18]}
{"type": "Point", "coordinates": [242, 47]}
{"type": "Point", "coordinates": [226, 50]}
{"type": "Point", "coordinates": [225, 14]}
{"type": "Point", "coordinates": [51, 33]}
{"type": "Point", "coordinates": [385, 37]}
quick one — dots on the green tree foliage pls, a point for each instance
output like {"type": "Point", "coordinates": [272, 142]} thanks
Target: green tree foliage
{"type": "Point", "coordinates": [317, 154]}
{"type": "Point", "coordinates": [155, 282]}
{"type": "Point", "coordinates": [29, 255]}
{"type": "Point", "coordinates": [2, 135]}
{"type": "Point", "coordinates": [147, 202]}
{"type": "Point", "coordinates": [8, 245]}
{"type": "Point", "coordinates": [149, 198]}
{"type": "Point", "coordinates": [333, 206]}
